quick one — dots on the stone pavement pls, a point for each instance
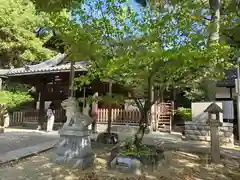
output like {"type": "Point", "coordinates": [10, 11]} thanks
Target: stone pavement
{"type": "Point", "coordinates": [15, 144]}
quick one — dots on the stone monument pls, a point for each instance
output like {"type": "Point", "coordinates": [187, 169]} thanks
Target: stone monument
{"type": "Point", "coordinates": [214, 123]}
{"type": "Point", "coordinates": [74, 148]}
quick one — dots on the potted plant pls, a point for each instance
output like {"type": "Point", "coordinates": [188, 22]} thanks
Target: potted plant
{"type": "Point", "coordinates": [128, 157]}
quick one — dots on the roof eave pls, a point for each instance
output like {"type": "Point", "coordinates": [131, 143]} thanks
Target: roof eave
{"type": "Point", "coordinates": [44, 72]}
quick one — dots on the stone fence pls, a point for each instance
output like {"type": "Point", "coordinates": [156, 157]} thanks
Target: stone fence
{"type": "Point", "coordinates": [200, 131]}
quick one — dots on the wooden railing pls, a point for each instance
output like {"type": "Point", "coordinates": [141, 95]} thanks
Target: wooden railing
{"type": "Point", "coordinates": [118, 116]}
{"type": "Point", "coordinates": [20, 117]}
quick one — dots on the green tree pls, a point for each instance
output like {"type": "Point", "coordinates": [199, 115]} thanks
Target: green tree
{"type": "Point", "coordinates": [141, 50]}
{"type": "Point", "coordinates": [18, 42]}
{"type": "Point", "coordinates": [212, 11]}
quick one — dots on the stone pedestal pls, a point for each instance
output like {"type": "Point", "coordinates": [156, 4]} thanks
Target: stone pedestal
{"type": "Point", "coordinates": [74, 148]}
{"type": "Point", "coordinates": [1, 129]}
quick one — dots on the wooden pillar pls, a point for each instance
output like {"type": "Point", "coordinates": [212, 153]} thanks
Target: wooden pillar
{"type": "Point", "coordinates": [171, 116]}
{"type": "Point", "coordinates": [42, 105]}
{"type": "Point", "coordinates": [152, 118]}
{"type": "Point", "coordinates": [1, 82]}
{"type": "Point", "coordinates": [54, 91]}
{"type": "Point", "coordinates": [109, 108]}
{"type": "Point", "coordinates": [94, 113]}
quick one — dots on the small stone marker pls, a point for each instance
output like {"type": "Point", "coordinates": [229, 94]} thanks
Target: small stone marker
{"type": "Point", "coordinates": [126, 164]}
{"type": "Point", "coordinates": [214, 124]}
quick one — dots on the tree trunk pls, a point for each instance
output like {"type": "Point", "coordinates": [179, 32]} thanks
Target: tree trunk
{"type": "Point", "coordinates": [213, 39]}
{"type": "Point", "coordinates": [143, 124]}
{"type": "Point", "coordinates": [109, 109]}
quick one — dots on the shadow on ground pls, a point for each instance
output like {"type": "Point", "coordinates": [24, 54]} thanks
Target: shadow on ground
{"type": "Point", "coordinates": [178, 166]}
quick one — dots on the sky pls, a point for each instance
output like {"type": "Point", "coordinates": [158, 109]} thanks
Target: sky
{"type": "Point", "coordinates": [136, 8]}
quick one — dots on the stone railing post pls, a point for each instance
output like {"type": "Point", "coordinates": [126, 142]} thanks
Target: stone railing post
{"type": "Point", "coordinates": [214, 123]}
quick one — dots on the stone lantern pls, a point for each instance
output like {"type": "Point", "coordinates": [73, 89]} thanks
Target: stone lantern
{"type": "Point", "coordinates": [214, 123]}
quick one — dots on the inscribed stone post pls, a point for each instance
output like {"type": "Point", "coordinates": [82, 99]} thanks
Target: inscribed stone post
{"type": "Point", "coordinates": [214, 124]}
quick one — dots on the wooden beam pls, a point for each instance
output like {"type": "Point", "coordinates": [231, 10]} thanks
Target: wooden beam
{"type": "Point", "coordinates": [1, 81]}
{"type": "Point", "coordinates": [94, 113]}
{"type": "Point", "coordinates": [42, 104]}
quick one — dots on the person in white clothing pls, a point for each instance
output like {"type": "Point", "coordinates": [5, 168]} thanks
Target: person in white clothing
{"type": "Point", "coordinates": [50, 117]}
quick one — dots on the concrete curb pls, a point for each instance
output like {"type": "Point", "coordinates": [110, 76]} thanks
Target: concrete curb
{"type": "Point", "coordinates": [27, 151]}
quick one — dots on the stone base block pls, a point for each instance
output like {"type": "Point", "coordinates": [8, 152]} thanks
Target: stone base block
{"type": "Point", "coordinates": [1, 129]}
{"type": "Point", "coordinates": [197, 138]}
{"type": "Point", "coordinates": [80, 163]}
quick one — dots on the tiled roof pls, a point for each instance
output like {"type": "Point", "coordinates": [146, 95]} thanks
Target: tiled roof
{"type": "Point", "coordinates": [52, 65]}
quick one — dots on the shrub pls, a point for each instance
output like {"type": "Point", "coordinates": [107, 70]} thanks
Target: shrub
{"type": "Point", "coordinates": [185, 113]}
{"type": "Point", "coordinates": [13, 99]}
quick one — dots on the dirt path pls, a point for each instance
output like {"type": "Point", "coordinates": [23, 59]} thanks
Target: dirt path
{"type": "Point", "coordinates": [178, 166]}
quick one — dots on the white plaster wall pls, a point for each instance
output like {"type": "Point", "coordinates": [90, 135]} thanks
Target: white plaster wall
{"type": "Point", "coordinates": [198, 109]}
{"type": "Point", "coordinates": [47, 103]}
{"type": "Point", "coordinates": [228, 110]}
{"type": "Point", "coordinates": [222, 92]}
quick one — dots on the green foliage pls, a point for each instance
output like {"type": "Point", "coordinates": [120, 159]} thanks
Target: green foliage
{"type": "Point", "coordinates": [196, 92]}
{"type": "Point", "coordinates": [143, 49]}
{"type": "Point", "coordinates": [18, 42]}
{"type": "Point", "coordinates": [13, 99]}
{"type": "Point", "coordinates": [143, 152]}
{"type": "Point", "coordinates": [152, 55]}
{"type": "Point", "coordinates": [129, 149]}
{"type": "Point", "coordinates": [185, 113]}
{"type": "Point", "coordinates": [55, 5]}
{"type": "Point", "coordinates": [111, 99]}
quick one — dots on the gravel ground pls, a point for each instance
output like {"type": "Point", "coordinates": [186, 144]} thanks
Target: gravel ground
{"type": "Point", "coordinates": [178, 166]}
{"type": "Point", "coordinates": [15, 140]}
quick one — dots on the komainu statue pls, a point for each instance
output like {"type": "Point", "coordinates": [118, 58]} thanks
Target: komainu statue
{"type": "Point", "coordinates": [74, 147]}
{"type": "Point", "coordinates": [75, 118]}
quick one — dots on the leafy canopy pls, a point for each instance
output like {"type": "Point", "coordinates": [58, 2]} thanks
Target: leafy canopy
{"type": "Point", "coordinates": [14, 99]}
{"type": "Point", "coordinates": [140, 49]}
{"type": "Point", "coordinates": [18, 42]}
